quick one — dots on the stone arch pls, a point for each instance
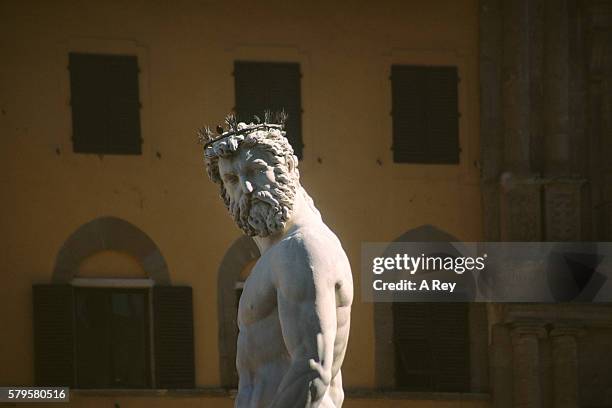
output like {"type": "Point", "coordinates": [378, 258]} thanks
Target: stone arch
{"type": "Point", "coordinates": [241, 254]}
{"type": "Point", "coordinates": [109, 234]}
{"type": "Point", "coordinates": [383, 324]}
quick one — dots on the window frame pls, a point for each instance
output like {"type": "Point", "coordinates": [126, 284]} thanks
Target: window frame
{"type": "Point", "coordinates": [81, 104]}
{"type": "Point", "coordinates": [468, 170]}
{"type": "Point", "coordinates": [142, 284]}
{"type": "Point", "coordinates": [149, 378]}
{"type": "Point", "coordinates": [417, 82]}
{"type": "Point", "coordinates": [170, 331]}
{"type": "Point", "coordinates": [296, 134]}
{"type": "Point", "coordinates": [431, 374]}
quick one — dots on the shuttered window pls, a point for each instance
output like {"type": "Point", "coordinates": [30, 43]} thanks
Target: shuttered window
{"type": "Point", "coordinates": [100, 337]}
{"type": "Point", "coordinates": [112, 338]}
{"type": "Point", "coordinates": [425, 114]}
{"type": "Point", "coordinates": [273, 86]}
{"type": "Point", "coordinates": [174, 350]}
{"type": "Point", "coordinates": [53, 335]}
{"type": "Point", "coordinates": [104, 96]}
{"type": "Point", "coordinates": [431, 346]}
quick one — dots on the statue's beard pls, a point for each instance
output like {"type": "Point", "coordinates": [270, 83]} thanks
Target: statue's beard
{"type": "Point", "coordinates": [264, 212]}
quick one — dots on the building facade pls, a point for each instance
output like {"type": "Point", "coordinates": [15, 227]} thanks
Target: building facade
{"type": "Point", "coordinates": [133, 234]}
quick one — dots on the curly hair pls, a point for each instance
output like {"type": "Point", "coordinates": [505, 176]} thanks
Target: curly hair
{"type": "Point", "coordinates": [270, 140]}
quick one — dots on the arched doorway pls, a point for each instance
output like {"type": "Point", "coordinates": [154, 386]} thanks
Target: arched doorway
{"type": "Point", "coordinates": [408, 327]}
{"type": "Point", "coordinates": [110, 299]}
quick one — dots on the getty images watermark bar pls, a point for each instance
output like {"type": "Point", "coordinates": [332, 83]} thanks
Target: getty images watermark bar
{"type": "Point", "coordinates": [544, 272]}
{"type": "Point", "coordinates": [34, 394]}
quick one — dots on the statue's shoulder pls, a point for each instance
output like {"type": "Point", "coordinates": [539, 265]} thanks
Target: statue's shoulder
{"type": "Point", "coordinates": [314, 239]}
{"type": "Point", "coordinates": [309, 248]}
{"type": "Point", "coordinates": [308, 257]}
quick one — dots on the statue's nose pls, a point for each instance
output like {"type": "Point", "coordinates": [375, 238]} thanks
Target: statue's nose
{"type": "Point", "coordinates": [247, 187]}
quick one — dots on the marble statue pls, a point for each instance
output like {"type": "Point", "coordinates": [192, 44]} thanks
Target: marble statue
{"type": "Point", "coordinates": [294, 312]}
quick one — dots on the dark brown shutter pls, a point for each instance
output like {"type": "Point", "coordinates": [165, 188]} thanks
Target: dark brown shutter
{"type": "Point", "coordinates": [431, 346]}
{"type": "Point", "coordinates": [270, 86]}
{"type": "Point", "coordinates": [53, 307]}
{"type": "Point", "coordinates": [105, 104]}
{"type": "Point", "coordinates": [413, 351]}
{"type": "Point", "coordinates": [425, 114]}
{"type": "Point", "coordinates": [452, 348]}
{"type": "Point", "coordinates": [173, 328]}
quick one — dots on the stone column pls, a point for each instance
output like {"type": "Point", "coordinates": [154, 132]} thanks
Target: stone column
{"type": "Point", "coordinates": [478, 332]}
{"type": "Point", "coordinates": [564, 198]}
{"type": "Point", "coordinates": [501, 366]}
{"type": "Point", "coordinates": [527, 392]}
{"type": "Point", "coordinates": [516, 87]}
{"type": "Point", "coordinates": [565, 366]}
{"type": "Point", "coordinates": [520, 211]}
{"type": "Point", "coordinates": [491, 118]}
{"type": "Point", "coordinates": [556, 88]}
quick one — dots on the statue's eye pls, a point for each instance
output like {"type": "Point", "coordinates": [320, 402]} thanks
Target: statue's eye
{"type": "Point", "coordinates": [252, 171]}
{"type": "Point", "coordinates": [231, 179]}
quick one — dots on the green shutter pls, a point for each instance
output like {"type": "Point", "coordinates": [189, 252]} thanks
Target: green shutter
{"type": "Point", "coordinates": [53, 311]}
{"type": "Point", "coordinates": [173, 330]}
{"type": "Point", "coordinates": [273, 86]}
{"type": "Point", "coordinates": [425, 114]}
{"type": "Point", "coordinates": [105, 104]}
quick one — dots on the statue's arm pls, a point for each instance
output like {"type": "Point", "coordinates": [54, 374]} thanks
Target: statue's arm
{"type": "Point", "coordinates": [307, 312]}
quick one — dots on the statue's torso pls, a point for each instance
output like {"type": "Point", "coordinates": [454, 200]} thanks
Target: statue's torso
{"type": "Point", "coordinates": [262, 357]}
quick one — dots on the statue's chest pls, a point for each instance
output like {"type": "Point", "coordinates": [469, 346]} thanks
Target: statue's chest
{"type": "Point", "coordinates": [258, 297]}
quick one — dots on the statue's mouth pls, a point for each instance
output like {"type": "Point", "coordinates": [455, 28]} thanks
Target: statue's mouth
{"type": "Point", "coordinates": [264, 197]}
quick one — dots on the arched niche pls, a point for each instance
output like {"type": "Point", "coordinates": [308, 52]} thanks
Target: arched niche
{"type": "Point", "coordinates": [383, 326]}
{"type": "Point", "coordinates": [234, 268]}
{"type": "Point", "coordinates": [110, 264]}
{"type": "Point", "coordinates": [107, 235]}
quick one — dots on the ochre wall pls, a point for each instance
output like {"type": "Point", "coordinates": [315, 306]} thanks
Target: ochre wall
{"type": "Point", "coordinates": [186, 51]}
{"type": "Point", "coordinates": [110, 264]}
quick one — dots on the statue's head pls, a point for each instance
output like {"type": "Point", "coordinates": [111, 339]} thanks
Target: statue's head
{"type": "Point", "coordinates": [257, 174]}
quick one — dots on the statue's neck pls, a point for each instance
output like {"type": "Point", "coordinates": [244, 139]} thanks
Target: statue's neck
{"type": "Point", "coordinates": [302, 214]}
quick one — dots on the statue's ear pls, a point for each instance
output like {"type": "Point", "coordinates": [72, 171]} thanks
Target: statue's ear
{"type": "Point", "coordinates": [291, 163]}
